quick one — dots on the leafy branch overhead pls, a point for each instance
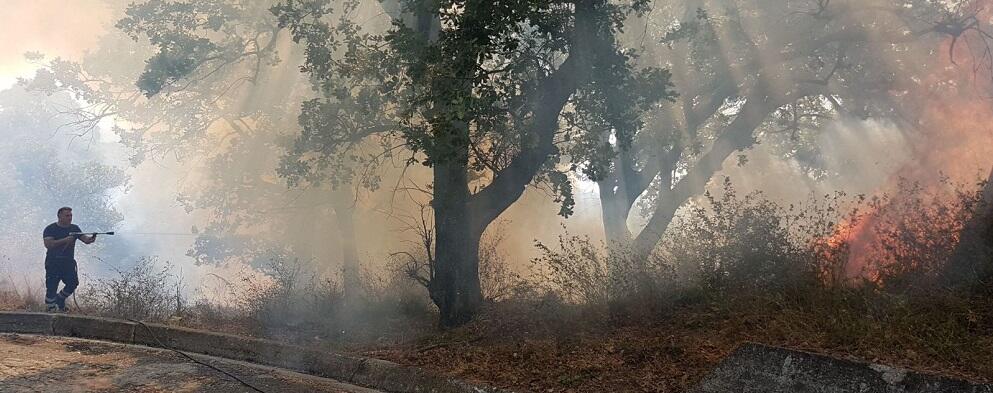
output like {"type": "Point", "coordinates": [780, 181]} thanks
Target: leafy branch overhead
{"type": "Point", "coordinates": [482, 75]}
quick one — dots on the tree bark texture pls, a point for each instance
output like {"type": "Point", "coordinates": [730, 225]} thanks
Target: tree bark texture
{"type": "Point", "coordinates": [344, 213]}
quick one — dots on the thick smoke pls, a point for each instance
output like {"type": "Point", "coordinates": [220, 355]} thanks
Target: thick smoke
{"type": "Point", "coordinates": [173, 204]}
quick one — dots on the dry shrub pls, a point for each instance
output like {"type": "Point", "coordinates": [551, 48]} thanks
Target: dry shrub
{"type": "Point", "coordinates": [731, 244]}
{"type": "Point", "coordinates": [580, 271]}
{"type": "Point", "coordinates": [203, 313]}
{"type": "Point", "coordinates": [14, 296]}
{"type": "Point", "coordinates": [393, 293]}
{"type": "Point", "coordinates": [295, 302]}
{"type": "Point", "coordinates": [496, 279]}
{"type": "Point", "coordinates": [728, 244]}
{"type": "Point", "coordinates": [147, 291]}
{"type": "Point", "coordinates": [12, 299]}
{"type": "Point", "coordinates": [281, 301]}
{"type": "Point", "coordinates": [289, 296]}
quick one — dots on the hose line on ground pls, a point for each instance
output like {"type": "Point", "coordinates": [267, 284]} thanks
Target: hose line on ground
{"type": "Point", "coordinates": [194, 360]}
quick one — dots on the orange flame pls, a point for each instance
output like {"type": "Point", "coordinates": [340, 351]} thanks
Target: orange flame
{"type": "Point", "coordinates": [952, 139]}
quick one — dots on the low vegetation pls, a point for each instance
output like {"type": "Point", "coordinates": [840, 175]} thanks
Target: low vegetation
{"type": "Point", "coordinates": [588, 319]}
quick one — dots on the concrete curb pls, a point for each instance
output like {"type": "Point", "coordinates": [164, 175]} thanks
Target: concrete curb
{"type": "Point", "coordinates": [366, 372]}
{"type": "Point", "coordinates": [756, 368]}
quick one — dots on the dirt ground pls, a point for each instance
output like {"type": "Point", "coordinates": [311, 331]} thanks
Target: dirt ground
{"type": "Point", "coordinates": [54, 364]}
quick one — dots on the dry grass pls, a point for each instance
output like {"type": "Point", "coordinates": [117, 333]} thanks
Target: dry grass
{"type": "Point", "coordinates": [738, 269]}
{"type": "Point", "coordinates": [19, 297]}
{"type": "Point", "coordinates": [520, 347]}
{"type": "Point", "coordinates": [11, 300]}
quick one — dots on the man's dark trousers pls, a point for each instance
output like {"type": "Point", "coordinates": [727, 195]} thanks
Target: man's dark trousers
{"type": "Point", "coordinates": [64, 271]}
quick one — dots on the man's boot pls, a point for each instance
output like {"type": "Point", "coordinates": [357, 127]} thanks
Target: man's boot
{"type": "Point", "coordinates": [60, 301]}
{"type": "Point", "coordinates": [51, 305]}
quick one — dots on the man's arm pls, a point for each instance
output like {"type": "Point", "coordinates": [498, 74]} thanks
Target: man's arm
{"type": "Point", "coordinates": [51, 243]}
{"type": "Point", "coordinates": [88, 239]}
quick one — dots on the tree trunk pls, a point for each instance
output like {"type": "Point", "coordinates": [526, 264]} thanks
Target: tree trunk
{"type": "Point", "coordinates": [460, 218]}
{"type": "Point", "coordinates": [737, 136]}
{"type": "Point", "coordinates": [614, 209]}
{"type": "Point", "coordinates": [455, 286]}
{"type": "Point", "coordinates": [344, 213]}
{"type": "Point", "coordinates": [623, 186]}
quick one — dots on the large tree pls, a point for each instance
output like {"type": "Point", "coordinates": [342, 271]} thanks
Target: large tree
{"type": "Point", "coordinates": [488, 95]}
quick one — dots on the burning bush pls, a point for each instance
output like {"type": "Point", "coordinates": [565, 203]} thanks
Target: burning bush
{"type": "Point", "coordinates": [911, 239]}
{"type": "Point", "coordinates": [731, 245]}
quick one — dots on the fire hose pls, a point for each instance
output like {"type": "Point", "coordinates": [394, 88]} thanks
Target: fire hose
{"type": "Point", "coordinates": [160, 343]}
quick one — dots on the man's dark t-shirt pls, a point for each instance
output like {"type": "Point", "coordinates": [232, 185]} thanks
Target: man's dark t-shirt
{"type": "Point", "coordinates": [60, 255]}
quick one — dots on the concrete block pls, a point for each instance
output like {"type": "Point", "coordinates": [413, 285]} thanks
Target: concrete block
{"type": "Point", "coordinates": [214, 344]}
{"type": "Point", "coordinates": [26, 322]}
{"type": "Point", "coordinates": [756, 368]}
{"type": "Point", "coordinates": [373, 373]}
{"type": "Point", "coordinates": [94, 328]}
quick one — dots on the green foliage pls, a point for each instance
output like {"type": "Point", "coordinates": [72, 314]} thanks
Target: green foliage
{"type": "Point", "coordinates": [174, 62]}
{"type": "Point", "coordinates": [685, 30]}
{"type": "Point", "coordinates": [465, 93]}
{"type": "Point", "coordinates": [196, 38]}
{"type": "Point", "coordinates": [173, 27]}
{"type": "Point", "coordinates": [562, 191]}
{"type": "Point", "coordinates": [613, 104]}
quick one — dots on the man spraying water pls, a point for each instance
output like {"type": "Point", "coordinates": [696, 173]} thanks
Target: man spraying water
{"type": "Point", "coordinates": [60, 263]}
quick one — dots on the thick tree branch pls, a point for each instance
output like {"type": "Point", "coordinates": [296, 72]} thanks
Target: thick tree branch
{"type": "Point", "coordinates": [736, 136]}
{"type": "Point", "coordinates": [546, 104]}
{"type": "Point", "coordinates": [509, 183]}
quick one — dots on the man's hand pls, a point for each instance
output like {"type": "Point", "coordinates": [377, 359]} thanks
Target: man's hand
{"type": "Point", "coordinates": [88, 239]}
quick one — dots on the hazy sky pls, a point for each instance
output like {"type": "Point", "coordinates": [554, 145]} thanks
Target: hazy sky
{"type": "Point", "coordinates": [57, 28]}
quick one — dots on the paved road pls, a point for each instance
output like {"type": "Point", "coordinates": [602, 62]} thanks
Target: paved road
{"type": "Point", "coordinates": [55, 364]}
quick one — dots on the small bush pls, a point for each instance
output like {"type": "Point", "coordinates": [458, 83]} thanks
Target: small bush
{"type": "Point", "coordinates": [734, 244]}
{"type": "Point", "coordinates": [13, 299]}
{"type": "Point", "coordinates": [582, 272]}
{"type": "Point", "coordinates": [496, 279]}
{"type": "Point", "coordinates": [292, 300]}
{"type": "Point", "coordinates": [145, 292]}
